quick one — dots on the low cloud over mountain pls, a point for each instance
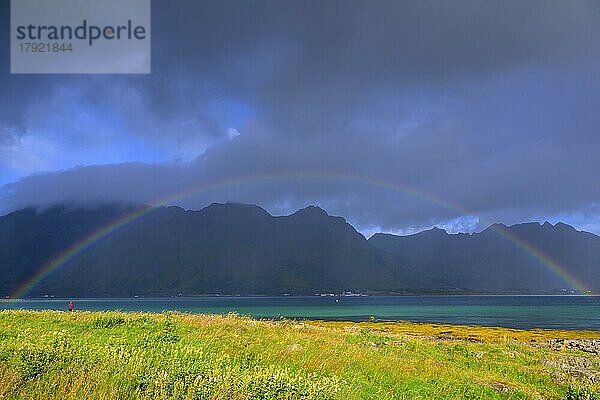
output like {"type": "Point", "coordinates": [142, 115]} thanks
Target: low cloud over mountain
{"type": "Point", "coordinates": [420, 114]}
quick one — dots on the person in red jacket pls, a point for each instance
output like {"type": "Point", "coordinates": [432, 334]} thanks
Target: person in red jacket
{"type": "Point", "coordinates": [71, 306]}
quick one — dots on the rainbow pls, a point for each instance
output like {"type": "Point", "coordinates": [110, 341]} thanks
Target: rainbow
{"type": "Point", "coordinates": [106, 230]}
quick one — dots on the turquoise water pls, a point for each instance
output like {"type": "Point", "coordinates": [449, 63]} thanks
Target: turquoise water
{"type": "Point", "coordinates": [559, 312]}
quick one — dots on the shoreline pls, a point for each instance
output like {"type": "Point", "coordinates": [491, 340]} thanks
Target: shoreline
{"type": "Point", "coordinates": [430, 330]}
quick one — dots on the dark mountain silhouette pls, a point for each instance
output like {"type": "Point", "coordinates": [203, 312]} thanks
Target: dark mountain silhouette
{"type": "Point", "coordinates": [525, 257]}
{"type": "Point", "coordinates": [241, 249]}
{"type": "Point", "coordinates": [223, 248]}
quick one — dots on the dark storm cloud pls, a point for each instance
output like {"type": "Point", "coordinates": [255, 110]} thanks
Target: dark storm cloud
{"type": "Point", "coordinates": [448, 109]}
{"type": "Point", "coordinates": [309, 66]}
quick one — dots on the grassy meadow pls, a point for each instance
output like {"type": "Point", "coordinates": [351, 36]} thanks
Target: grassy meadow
{"type": "Point", "coordinates": [110, 355]}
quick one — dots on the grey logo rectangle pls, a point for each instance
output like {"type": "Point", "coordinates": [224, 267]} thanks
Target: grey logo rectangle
{"type": "Point", "coordinates": [80, 36]}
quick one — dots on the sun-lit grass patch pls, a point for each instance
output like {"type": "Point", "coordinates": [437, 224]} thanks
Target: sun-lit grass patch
{"type": "Point", "coordinates": [462, 332]}
{"type": "Point", "coordinates": [57, 355]}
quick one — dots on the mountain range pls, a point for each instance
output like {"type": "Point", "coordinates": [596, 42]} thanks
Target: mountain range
{"type": "Point", "coordinates": [241, 249]}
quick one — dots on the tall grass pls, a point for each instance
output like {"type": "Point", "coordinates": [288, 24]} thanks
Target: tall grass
{"type": "Point", "coordinates": [56, 355]}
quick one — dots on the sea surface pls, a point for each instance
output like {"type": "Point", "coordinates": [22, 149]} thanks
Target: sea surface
{"type": "Point", "coordinates": [557, 312]}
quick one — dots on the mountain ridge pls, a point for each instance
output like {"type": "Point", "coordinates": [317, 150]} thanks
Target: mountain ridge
{"type": "Point", "coordinates": [233, 248]}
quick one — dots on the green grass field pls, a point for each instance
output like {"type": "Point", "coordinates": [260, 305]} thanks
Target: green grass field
{"type": "Point", "coordinates": [86, 355]}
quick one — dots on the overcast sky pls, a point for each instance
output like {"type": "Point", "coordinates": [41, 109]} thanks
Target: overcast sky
{"type": "Point", "coordinates": [396, 115]}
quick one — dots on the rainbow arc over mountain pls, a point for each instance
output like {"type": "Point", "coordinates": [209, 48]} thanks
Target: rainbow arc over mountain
{"type": "Point", "coordinates": [136, 214]}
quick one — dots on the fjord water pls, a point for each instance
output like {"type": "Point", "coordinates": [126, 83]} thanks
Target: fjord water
{"type": "Point", "coordinates": [553, 312]}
